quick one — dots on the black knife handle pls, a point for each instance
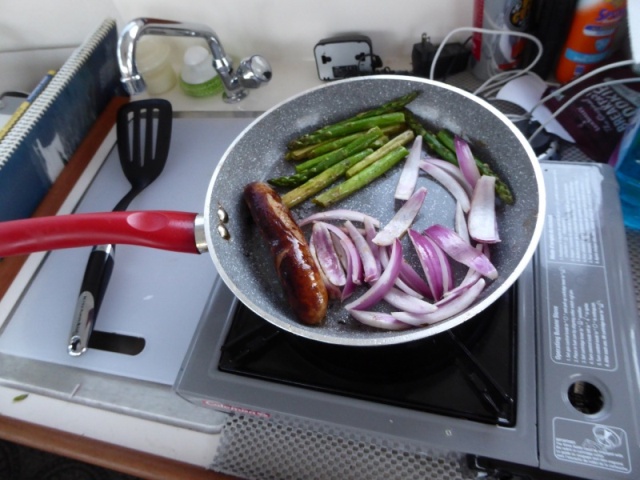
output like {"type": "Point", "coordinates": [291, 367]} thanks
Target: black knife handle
{"type": "Point", "coordinates": [92, 290]}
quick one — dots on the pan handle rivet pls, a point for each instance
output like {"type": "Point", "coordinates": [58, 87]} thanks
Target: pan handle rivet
{"type": "Point", "coordinates": [222, 215]}
{"type": "Point", "coordinates": [223, 232]}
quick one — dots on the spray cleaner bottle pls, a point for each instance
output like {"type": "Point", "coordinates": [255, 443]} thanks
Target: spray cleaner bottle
{"type": "Point", "coordinates": [590, 37]}
{"type": "Point", "coordinates": [492, 53]}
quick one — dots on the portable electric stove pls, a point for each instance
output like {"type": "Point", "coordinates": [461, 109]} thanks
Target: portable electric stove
{"type": "Point", "coordinates": [543, 384]}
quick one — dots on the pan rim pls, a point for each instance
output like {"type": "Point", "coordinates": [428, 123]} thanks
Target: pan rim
{"type": "Point", "coordinates": [393, 337]}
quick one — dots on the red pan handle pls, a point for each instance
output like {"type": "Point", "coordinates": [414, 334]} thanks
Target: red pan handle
{"type": "Point", "coordinates": [165, 230]}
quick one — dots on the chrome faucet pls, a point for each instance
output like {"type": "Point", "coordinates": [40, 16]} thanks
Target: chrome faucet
{"type": "Point", "coordinates": [251, 73]}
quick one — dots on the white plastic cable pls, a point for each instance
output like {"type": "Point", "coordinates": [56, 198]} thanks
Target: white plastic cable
{"type": "Point", "coordinates": [576, 96]}
{"type": "Point", "coordinates": [509, 73]}
{"type": "Point", "coordinates": [574, 82]}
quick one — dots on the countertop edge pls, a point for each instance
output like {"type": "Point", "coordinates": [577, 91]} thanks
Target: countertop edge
{"type": "Point", "coordinates": [123, 458]}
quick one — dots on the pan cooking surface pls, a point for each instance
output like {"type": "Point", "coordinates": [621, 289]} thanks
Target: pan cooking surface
{"type": "Point", "coordinates": [257, 154]}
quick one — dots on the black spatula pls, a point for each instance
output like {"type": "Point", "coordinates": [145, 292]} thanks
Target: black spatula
{"type": "Point", "coordinates": [144, 137]}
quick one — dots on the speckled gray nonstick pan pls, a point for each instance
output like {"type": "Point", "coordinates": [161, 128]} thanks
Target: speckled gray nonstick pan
{"type": "Point", "coordinates": [243, 260]}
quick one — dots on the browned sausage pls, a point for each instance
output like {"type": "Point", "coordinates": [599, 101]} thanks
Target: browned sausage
{"type": "Point", "coordinates": [298, 273]}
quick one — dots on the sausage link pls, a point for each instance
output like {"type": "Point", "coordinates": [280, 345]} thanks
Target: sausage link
{"type": "Point", "coordinates": [298, 273]}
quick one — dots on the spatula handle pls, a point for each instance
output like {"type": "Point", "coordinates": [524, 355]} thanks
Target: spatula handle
{"type": "Point", "coordinates": [92, 291]}
{"type": "Point", "coordinates": [165, 230]}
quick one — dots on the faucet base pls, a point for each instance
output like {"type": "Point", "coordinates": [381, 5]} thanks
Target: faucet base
{"type": "Point", "coordinates": [235, 96]}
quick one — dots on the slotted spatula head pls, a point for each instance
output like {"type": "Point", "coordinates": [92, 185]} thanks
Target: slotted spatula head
{"type": "Point", "coordinates": [144, 138]}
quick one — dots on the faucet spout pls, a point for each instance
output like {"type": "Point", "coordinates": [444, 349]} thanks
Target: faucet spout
{"type": "Point", "coordinates": [234, 84]}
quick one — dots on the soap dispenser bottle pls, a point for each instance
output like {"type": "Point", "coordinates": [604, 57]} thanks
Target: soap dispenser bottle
{"type": "Point", "coordinates": [198, 78]}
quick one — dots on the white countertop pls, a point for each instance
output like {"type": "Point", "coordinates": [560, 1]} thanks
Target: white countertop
{"type": "Point", "coordinates": [288, 79]}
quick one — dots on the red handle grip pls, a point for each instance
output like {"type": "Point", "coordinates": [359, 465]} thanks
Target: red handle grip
{"type": "Point", "coordinates": [165, 230]}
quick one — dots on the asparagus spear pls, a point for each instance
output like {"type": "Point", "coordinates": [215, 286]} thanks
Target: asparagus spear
{"type": "Point", "coordinates": [502, 190]}
{"type": "Point", "coordinates": [394, 105]}
{"type": "Point", "coordinates": [352, 146]}
{"type": "Point", "coordinates": [325, 161]}
{"type": "Point", "coordinates": [430, 139]}
{"type": "Point", "coordinates": [322, 180]}
{"type": "Point", "coordinates": [317, 149]}
{"type": "Point", "coordinates": [330, 145]}
{"type": "Point", "coordinates": [395, 142]}
{"type": "Point", "coordinates": [393, 130]}
{"type": "Point", "coordinates": [301, 153]}
{"type": "Point", "coordinates": [345, 128]}
{"type": "Point", "coordinates": [358, 181]}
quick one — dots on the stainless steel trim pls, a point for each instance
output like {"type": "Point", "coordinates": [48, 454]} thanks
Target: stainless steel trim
{"type": "Point", "coordinates": [199, 234]}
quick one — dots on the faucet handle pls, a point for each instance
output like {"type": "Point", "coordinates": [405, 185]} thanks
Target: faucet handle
{"type": "Point", "coordinates": [254, 71]}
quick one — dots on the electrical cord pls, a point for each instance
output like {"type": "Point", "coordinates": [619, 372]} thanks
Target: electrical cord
{"type": "Point", "coordinates": [492, 32]}
{"type": "Point", "coordinates": [582, 78]}
{"type": "Point", "coordinates": [527, 115]}
{"type": "Point", "coordinates": [493, 83]}
{"type": "Point", "coordinates": [496, 81]}
{"type": "Point", "coordinates": [575, 97]}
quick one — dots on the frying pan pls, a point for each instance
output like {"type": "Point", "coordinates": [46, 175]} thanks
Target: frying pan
{"type": "Point", "coordinates": [238, 252]}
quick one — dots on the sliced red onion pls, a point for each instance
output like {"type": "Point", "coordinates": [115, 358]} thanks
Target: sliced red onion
{"type": "Point", "coordinates": [454, 171]}
{"type": "Point", "coordinates": [370, 233]}
{"type": "Point", "coordinates": [470, 278]}
{"type": "Point", "coordinates": [402, 220]}
{"type": "Point", "coordinates": [466, 161]}
{"type": "Point", "coordinates": [378, 320]}
{"type": "Point", "coordinates": [461, 224]}
{"type": "Point", "coordinates": [485, 249]}
{"type": "Point", "coordinates": [409, 174]}
{"type": "Point", "coordinates": [430, 262]}
{"type": "Point", "coordinates": [338, 214]}
{"type": "Point", "coordinates": [408, 303]}
{"type": "Point", "coordinates": [326, 254]}
{"type": "Point", "coordinates": [409, 276]}
{"type": "Point", "coordinates": [369, 265]}
{"type": "Point", "coordinates": [409, 281]}
{"type": "Point", "coordinates": [332, 290]}
{"type": "Point", "coordinates": [347, 243]}
{"type": "Point", "coordinates": [482, 216]}
{"type": "Point", "coordinates": [462, 252]}
{"type": "Point", "coordinates": [447, 310]}
{"type": "Point", "coordinates": [342, 254]}
{"type": "Point", "coordinates": [448, 182]}
{"type": "Point", "coordinates": [349, 286]}
{"type": "Point", "coordinates": [445, 267]}
{"type": "Point", "coordinates": [380, 288]}
{"type": "Point", "coordinates": [384, 260]}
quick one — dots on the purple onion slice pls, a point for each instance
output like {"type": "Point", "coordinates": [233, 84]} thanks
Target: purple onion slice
{"type": "Point", "coordinates": [448, 310]}
{"type": "Point", "coordinates": [409, 174]}
{"type": "Point", "coordinates": [378, 320]}
{"type": "Point", "coordinates": [448, 182]}
{"type": "Point", "coordinates": [369, 264]}
{"type": "Point", "coordinates": [460, 251]}
{"type": "Point", "coordinates": [466, 162]}
{"type": "Point", "coordinates": [483, 226]}
{"type": "Point", "coordinates": [379, 289]}
{"type": "Point", "coordinates": [402, 220]}
{"type": "Point", "coordinates": [338, 214]}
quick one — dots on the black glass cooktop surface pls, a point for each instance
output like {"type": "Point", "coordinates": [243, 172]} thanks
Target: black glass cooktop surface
{"type": "Point", "coordinates": [467, 372]}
